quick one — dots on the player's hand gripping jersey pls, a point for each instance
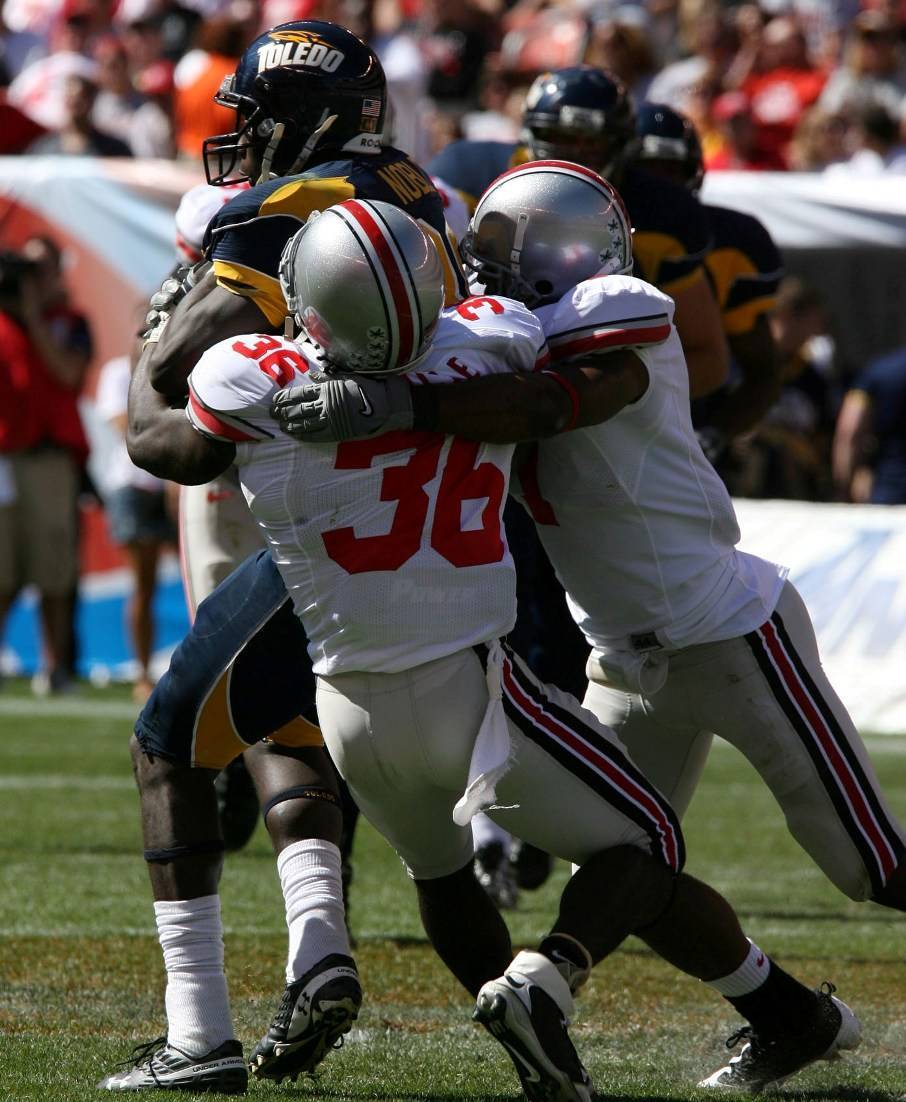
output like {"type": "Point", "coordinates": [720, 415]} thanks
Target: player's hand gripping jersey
{"type": "Point", "coordinates": [638, 524]}
{"type": "Point", "coordinates": [393, 549]}
{"type": "Point", "coordinates": [245, 238]}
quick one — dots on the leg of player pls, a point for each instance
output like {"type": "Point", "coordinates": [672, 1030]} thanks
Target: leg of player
{"type": "Point", "coordinates": [301, 803]}
{"type": "Point", "coordinates": [184, 852]}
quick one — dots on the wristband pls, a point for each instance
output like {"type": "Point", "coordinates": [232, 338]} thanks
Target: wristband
{"type": "Point", "coordinates": [573, 398]}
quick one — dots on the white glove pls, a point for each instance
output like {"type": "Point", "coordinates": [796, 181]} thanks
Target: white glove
{"type": "Point", "coordinates": [343, 407]}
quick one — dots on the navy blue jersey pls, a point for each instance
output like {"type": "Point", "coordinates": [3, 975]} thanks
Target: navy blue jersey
{"type": "Point", "coordinates": [745, 268]}
{"type": "Point", "coordinates": [884, 381]}
{"type": "Point", "coordinates": [245, 238]}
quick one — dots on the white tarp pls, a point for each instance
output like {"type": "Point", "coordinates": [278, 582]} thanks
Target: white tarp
{"type": "Point", "coordinates": [804, 210]}
{"type": "Point", "coordinates": [849, 564]}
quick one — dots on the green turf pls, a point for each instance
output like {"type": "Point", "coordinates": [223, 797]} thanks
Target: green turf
{"type": "Point", "coordinates": [81, 979]}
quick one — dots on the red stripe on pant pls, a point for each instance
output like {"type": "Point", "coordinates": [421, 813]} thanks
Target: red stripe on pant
{"type": "Point", "coordinates": [578, 745]}
{"type": "Point", "coordinates": [839, 767]}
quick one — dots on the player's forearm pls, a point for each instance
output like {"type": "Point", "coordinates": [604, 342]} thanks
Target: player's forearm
{"type": "Point", "coordinates": [206, 315]}
{"type": "Point", "coordinates": [743, 407]}
{"type": "Point", "coordinates": [497, 409]}
{"type": "Point", "coordinates": [161, 441]}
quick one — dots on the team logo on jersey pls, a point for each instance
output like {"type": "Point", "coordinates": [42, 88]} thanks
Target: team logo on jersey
{"type": "Point", "coordinates": [303, 48]}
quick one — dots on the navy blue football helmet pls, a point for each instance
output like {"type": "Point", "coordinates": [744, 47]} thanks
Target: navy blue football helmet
{"type": "Point", "coordinates": [301, 90]}
{"type": "Point", "coordinates": [579, 114]}
{"type": "Point", "coordinates": [667, 142]}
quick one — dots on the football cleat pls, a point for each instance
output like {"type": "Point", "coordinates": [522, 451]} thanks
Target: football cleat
{"type": "Point", "coordinates": [768, 1060]}
{"type": "Point", "coordinates": [531, 1024]}
{"type": "Point", "coordinates": [532, 866]}
{"type": "Point", "coordinates": [495, 874]}
{"type": "Point", "coordinates": [314, 1013]}
{"type": "Point", "coordinates": [237, 804]}
{"type": "Point", "coordinates": [159, 1066]}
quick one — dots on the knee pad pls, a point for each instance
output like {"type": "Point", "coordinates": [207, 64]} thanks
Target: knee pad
{"type": "Point", "coordinates": [301, 792]}
{"type": "Point", "coordinates": [194, 849]}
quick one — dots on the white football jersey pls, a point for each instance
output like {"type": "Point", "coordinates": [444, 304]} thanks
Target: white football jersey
{"type": "Point", "coordinates": [393, 548]}
{"type": "Point", "coordinates": [637, 524]}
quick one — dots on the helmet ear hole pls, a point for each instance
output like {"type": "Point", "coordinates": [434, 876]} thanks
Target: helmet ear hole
{"type": "Point", "coordinates": [544, 287]}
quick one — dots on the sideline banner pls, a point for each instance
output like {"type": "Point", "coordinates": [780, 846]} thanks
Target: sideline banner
{"type": "Point", "coordinates": [849, 564]}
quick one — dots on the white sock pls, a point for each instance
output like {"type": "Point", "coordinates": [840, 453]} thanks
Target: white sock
{"type": "Point", "coordinates": [313, 894]}
{"type": "Point", "coordinates": [748, 977]}
{"type": "Point", "coordinates": [197, 1003]}
{"type": "Point", "coordinates": [485, 831]}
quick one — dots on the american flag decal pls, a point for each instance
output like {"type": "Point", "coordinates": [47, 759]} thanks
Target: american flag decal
{"type": "Point", "coordinates": [371, 107]}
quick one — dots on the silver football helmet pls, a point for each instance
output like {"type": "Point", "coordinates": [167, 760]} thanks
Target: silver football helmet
{"type": "Point", "coordinates": [366, 284]}
{"type": "Point", "coordinates": [542, 228]}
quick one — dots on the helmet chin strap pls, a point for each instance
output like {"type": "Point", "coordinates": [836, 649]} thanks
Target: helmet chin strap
{"type": "Point", "coordinates": [270, 152]}
{"type": "Point", "coordinates": [324, 125]}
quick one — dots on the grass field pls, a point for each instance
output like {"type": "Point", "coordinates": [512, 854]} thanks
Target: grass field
{"type": "Point", "coordinates": [81, 980]}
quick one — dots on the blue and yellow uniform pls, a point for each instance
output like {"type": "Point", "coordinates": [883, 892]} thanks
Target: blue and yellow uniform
{"type": "Point", "coordinates": [744, 266]}
{"type": "Point", "coordinates": [671, 237]}
{"type": "Point", "coordinates": [245, 239]}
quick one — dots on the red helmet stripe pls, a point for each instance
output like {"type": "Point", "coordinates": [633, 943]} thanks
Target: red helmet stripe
{"type": "Point", "coordinates": [397, 279]}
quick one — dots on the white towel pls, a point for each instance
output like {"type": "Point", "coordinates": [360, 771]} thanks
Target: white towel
{"type": "Point", "coordinates": [491, 754]}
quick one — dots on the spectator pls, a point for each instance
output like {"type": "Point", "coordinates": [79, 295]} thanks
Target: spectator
{"type": "Point", "coordinates": [18, 49]}
{"type": "Point", "coordinates": [869, 450]}
{"type": "Point", "coordinates": [819, 140]}
{"type": "Point", "coordinates": [624, 49]}
{"type": "Point", "coordinates": [738, 148]}
{"type": "Point", "coordinates": [78, 136]}
{"type": "Point", "coordinates": [785, 85]}
{"type": "Point", "coordinates": [872, 71]}
{"type": "Point", "coordinates": [137, 518]}
{"type": "Point", "coordinates": [713, 45]}
{"type": "Point", "coordinates": [219, 44]}
{"type": "Point", "coordinates": [45, 347]}
{"type": "Point", "coordinates": [788, 456]}
{"type": "Point", "coordinates": [876, 137]}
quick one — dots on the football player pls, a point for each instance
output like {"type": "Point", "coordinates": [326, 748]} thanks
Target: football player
{"type": "Point", "coordinates": [585, 115]}
{"type": "Point", "coordinates": [744, 267]}
{"type": "Point", "coordinates": [310, 100]}
{"type": "Point", "coordinates": [688, 635]}
{"type": "Point", "coordinates": [432, 717]}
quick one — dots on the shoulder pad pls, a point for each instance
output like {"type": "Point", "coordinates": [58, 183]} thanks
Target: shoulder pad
{"type": "Point", "coordinates": [606, 313]}
{"type": "Point", "coordinates": [231, 386]}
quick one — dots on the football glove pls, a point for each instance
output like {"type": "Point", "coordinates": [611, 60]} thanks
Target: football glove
{"type": "Point", "coordinates": [346, 407]}
{"type": "Point", "coordinates": [164, 300]}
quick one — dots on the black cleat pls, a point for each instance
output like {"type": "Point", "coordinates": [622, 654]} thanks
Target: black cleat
{"type": "Point", "coordinates": [158, 1066]}
{"type": "Point", "coordinates": [532, 866]}
{"type": "Point", "coordinates": [532, 1027]}
{"type": "Point", "coordinates": [237, 804]}
{"type": "Point", "coordinates": [767, 1061]}
{"type": "Point", "coordinates": [314, 1013]}
{"type": "Point", "coordinates": [495, 875]}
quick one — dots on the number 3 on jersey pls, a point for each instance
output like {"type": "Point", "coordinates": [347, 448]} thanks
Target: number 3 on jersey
{"type": "Point", "coordinates": [460, 481]}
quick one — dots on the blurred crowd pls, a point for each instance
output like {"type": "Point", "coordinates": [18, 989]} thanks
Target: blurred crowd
{"type": "Point", "coordinates": [806, 85]}
{"type": "Point", "coordinates": [801, 85]}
